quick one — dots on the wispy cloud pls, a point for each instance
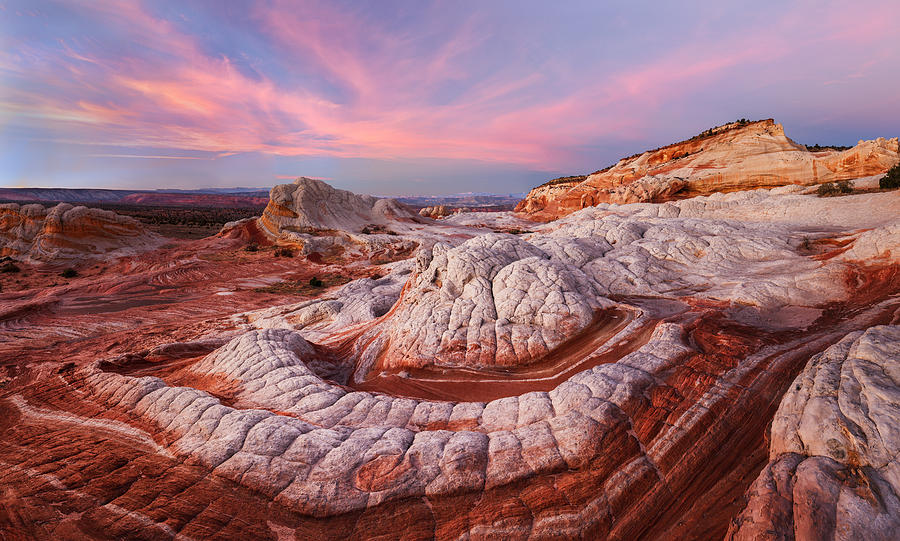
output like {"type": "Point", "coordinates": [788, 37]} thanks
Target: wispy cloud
{"type": "Point", "coordinates": [325, 79]}
{"type": "Point", "coordinates": [293, 177]}
{"type": "Point", "coordinates": [147, 157]}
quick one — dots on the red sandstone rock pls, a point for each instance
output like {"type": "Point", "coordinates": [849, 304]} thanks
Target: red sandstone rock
{"type": "Point", "coordinates": [734, 157]}
{"type": "Point", "coordinates": [190, 403]}
{"type": "Point", "coordinates": [34, 233]}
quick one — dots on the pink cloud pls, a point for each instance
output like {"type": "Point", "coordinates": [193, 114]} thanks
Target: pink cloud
{"type": "Point", "coordinates": [198, 102]}
{"type": "Point", "coordinates": [293, 177]}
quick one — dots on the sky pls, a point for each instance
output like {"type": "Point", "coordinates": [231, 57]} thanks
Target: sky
{"type": "Point", "coordinates": [418, 97]}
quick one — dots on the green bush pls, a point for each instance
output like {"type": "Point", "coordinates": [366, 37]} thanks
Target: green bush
{"type": "Point", "coordinates": [69, 273]}
{"type": "Point", "coordinates": [831, 188]}
{"type": "Point", "coordinates": [315, 282]}
{"type": "Point", "coordinates": [891, 180]}
{"type": "Point", "coordinates": [284, 252]}
{"type": "Point", "coordinates": [251, 248]}
{"type": "Point", "coordinates": [827, 189]}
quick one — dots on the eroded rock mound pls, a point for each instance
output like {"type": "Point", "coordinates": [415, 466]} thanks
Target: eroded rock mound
{"type": "Point", "coordinates": [737, 156]}
{"type": "Point", "coordinates": [337, 224]}
{"type": "Point", "coordinates": [495, 300]}
{"type": "Point", "coordinates": [35, 233]}
{"type": "Point", "coordinates": [833, 469]}
{"type": "Point", "coordinates": [310, 204]}
{"type": "Point", "coordinates": [437, 211]}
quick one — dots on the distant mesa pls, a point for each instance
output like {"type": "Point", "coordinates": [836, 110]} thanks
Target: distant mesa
{"type": "Point", "coordinates": [736, 156]}
{"type": "Point", "coordinates": [35, 233]}
{"type": "Point", "coordinates": [223, 198]}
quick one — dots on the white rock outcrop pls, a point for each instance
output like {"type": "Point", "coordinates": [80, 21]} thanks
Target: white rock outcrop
{"type": "Point", "coordinates": [834, 471]}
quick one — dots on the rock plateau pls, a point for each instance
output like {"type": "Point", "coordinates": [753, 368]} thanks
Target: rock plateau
{"type": "Point", "coordinates": [736, 156]}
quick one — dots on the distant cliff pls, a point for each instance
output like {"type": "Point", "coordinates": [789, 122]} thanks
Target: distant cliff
{"type": "Point", "coordinates": [736, 156]}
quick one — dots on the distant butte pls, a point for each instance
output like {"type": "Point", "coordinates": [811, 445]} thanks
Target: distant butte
{"type": "Point", "coordinates": [735, 156]}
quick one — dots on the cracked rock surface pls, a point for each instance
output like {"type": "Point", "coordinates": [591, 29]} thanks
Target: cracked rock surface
{"type": "Point", "coordinates": [609, 375]}
{"type": "Point", "coordinates": [833, 470]}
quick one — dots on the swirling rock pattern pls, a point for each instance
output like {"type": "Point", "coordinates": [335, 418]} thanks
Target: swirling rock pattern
{"type": "Point", "coordinates": [66, 232]}
{"type": "Point", "coordinates": [271, 423]}
{"type": "Point", "coordinates": [833, 471]}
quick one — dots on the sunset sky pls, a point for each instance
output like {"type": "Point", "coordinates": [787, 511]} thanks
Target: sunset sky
{"type": "Point", "coordinates": [419, 97]}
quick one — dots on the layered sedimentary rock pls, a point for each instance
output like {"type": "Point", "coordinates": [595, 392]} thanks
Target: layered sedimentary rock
{"type": "Point", "coordinates": [494, 300]}
{"type": "Point", "coordinates": [610, 375]}
{"type": "Point", "coordinates": [338, 224]}
{"type": "Point", "coordinates": [310, 204]}
{"type": "Point", "coordinates": [35, 233]}
{"type": "Point", "coordinates": [437, 211]}
{"type": "Point", "coordinates": [833, 470]}
{"type": "Point", "coordinates": [737, 156]}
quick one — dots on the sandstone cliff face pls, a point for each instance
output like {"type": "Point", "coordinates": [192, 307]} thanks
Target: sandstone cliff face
{"type": "Point", "coordinates": [734, 157]}
{"type": "Point", "coordinates": [35, 233]}
{"type": "Point", "coordinates": [437, 211]}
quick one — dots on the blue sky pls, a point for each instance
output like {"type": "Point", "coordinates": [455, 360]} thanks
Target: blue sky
{"type": "Point", "coordinates": [418, 97]}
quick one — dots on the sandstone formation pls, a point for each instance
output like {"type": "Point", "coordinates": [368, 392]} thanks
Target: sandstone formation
{"type": "Point", "coordinates": [310, 204]}
{"type": "Point", "coordinates": [833, 470]}
{"type": "Point", "coordinates": [64, 232]}
{"type": "Point", "coordinates": [609, 375]}
{"type": "Point", "coordinates": [736, 156]}
{"type": "Point", "coordinates": [437, 211]}
{"type": "Point", "coordinates": [336, 224]}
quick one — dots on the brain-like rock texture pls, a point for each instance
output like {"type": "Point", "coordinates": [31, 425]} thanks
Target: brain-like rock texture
{"type": "Point", "coordinates": [834, 471]}
{"type": "Point", "coordinates": [609, 375]}
{"type": "Point", "coordinates": [731, 157]}
{"type": "Point", "coordinates": [494, 300]}
{"type": "Point", "coordinates": [63, 232]}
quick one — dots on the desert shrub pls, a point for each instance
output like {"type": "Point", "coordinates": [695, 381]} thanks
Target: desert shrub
{"type": "Point", "coordinates": [817, 147]}
{"type": "Point", "coordinates": [315, 282]}
{"type": "Point", "coordinates": [844, 186]}
{"type": "Point", "coordinates": [827, 189]}
{"type": "Point", "coordinates": [69, 273]}
{"type": "Point", "coordinates": [251, 248]}
{"type": "Point", "coordinates": [284, 252]}
{"type": "Point", "coordinates": [891, 180]}
{"type": "Point", "coordinates": [9, 267]}
{"type": "Point", "coordinates": [572, 179]}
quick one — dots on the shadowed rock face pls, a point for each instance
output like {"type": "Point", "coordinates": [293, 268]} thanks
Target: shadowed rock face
{"type": "Point", "coordinates": [312, 204]}
{"type": "Point", "coordinates": [337, 224]}
{"type": "Point", "coordinates": [733, 157]}
{"type": "Point", "coordinates": [35, 233]}
{"type": "Point", "coordinates": [483, 389]}
{"type": "Point", "coordinates": [833, 470]}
